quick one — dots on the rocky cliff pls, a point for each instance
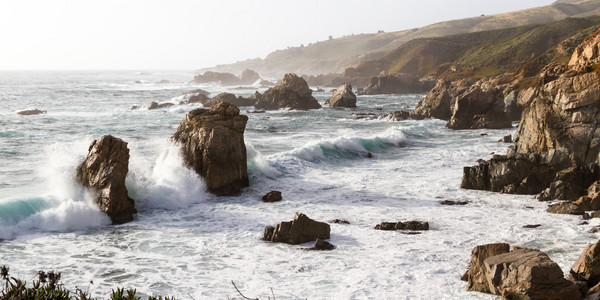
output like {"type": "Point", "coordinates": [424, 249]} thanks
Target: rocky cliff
{"type": "Point", "coordinates": [557, 145]}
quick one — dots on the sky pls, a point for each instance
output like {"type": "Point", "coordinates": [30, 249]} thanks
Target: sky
{"type": "Point", "coordinates": [186, 34]}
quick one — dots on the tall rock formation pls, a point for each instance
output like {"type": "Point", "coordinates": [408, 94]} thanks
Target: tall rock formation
{"type": "Point", "coordinates": [557, 145]}
{"type": "Point", "coordinates": [292, 93]}
{"type": "Point", "coordinates": [212, 143]}
{"type": "Point", "coordinates": [103, 172]}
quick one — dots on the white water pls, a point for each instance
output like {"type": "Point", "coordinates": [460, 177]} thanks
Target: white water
{"type": "Point", "coordinates": [186, 241]}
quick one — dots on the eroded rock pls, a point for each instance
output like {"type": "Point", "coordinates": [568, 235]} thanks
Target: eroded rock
{"type": "Point", "coordinates": [212, 144]}
{"type": "Point", "coordinates": [301, 230]}
{"type": "Point", "coordinates": [342, 97]}
{"type": "Point", "coordinates": [103, 172]}
{"type": "Point", "coordinates": [292, 93]}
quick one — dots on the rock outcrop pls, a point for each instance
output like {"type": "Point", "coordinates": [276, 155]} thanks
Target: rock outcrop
{"type": "Point", "coordinates": [470, 104]}
{"type": "Point", "coordinates": [402, 83]}
{"type": "Point", "coordinates": [249, 77]}
{"type": "Point", "coordinates": [558, 134]}
{"type": "Point", "coordinates": [212, 144]}
{"type": "Point", "coordinates": [519, 274]}
{"type": "Point", "coordinates": [587, 267]}
{"type": "Point", "coordinates": [292, 93]}
{"type": "Point", "coordinates": [301, 230]}
{"type": "Point", "coordinates": [156, 105]}
{"type": "Point", "coordinates": [342, 97]}
{"type": "Point", "coordinates": [272, 196]}
{"type": "Point", "coordinates": [103, 172]}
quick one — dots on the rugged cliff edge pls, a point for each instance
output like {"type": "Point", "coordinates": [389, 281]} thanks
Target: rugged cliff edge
{"type": "Point", "coordinates": [557, 145]}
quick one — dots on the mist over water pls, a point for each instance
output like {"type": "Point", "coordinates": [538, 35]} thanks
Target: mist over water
{"type": "Point", "coordinates": [187, 241]}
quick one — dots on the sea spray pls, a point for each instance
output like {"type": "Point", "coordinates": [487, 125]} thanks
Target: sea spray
{"type": "Point", "coordinates": [167, 183]}
{"type": "Point", "coordinates": [258, 165]}
{"type": "Point", "coordinates": [62, 203]}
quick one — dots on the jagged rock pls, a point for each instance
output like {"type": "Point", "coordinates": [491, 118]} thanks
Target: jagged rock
{"type": "Point", "coordinates": [301, 230]}
{"type": "Point", "coordinates": [196, 96]}
{"type": "Point", "coordinates": [212, 144]}
{"type": "Point", "coordinates": [103, 172]}
{"type": "Point", "coordinates": [527, 274]}
{"type": "Point", "coordinates": [475, 275]}
{"type": "Point", "coordinates": [249, 77]}
{"type": "Point", "coordinates": [156, 105]}
{"type": "Point", "coordinates": [410, 225]}
{"type": "Point", "coordinates": [506, 139]}
{"type": "Point", "coordinates": [342, 97]}
{"type": "Point", "coordinates": [322, 245]}
{"type": "Point", "coordinates": [440, 100]}
{"type": "Point", "coordinates": [31, 112]}
{"type": "Point", "coordinates": [397, 84]}
{"type": "Point", "coordinates": [292, 93]}
{"type": "Point", "coordinates": [230, 98]}
{"type": "Point", "coordinates": [587, 266]}
{"type": "Point", "coordinates": [481, 106]}
{"type": "Point", "coordinates": [272, 196]}
{"type": "Point", "coordinates": [587, 53]}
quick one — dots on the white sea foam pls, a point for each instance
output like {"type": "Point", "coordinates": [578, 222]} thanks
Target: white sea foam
{"type": "Point", "coordinates": [258, 164]}
{"type": "Point", "coordinates": [167, 183]}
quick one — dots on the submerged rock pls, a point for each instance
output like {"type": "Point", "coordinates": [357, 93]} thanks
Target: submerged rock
{"type": "Point", "coordinates": [212, 144]}
{"type": "Point", "coordinates": [339, 221]}
{"type": "Point", "coordinates": [272, 196]}
{"type": "Point", "coordinates": [31, 112]}
{"type": "Point", "coordinates": [292, 93]}
{"type": "Point", "coordinates": [409, 225]}
{"type": "Point", "coordinates": [156, 105]}
{"type": "Point", "coordinates": [301, 230]}
{"type": "Point", "coordinates": [103, 172]}
{"type": "Point", "coordinates": [342, 97]}
{"type": "Point", "coordinates": [322, 245]}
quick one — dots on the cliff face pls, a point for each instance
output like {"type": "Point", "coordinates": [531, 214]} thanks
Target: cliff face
{"type": "Point", "coordinates": [566, 113]}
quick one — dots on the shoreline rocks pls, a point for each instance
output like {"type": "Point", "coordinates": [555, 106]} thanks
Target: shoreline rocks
{"type": "Point", "coordinates": [517, 274]}
{"type": "Point", "coordinates": [228, 79]}
{"type": "Point", "coordinates": [103, 172]}
{"type": "Point", "coordinates": [212, 144]}
{"type": "Point", "coordinates": [342, 97]}
{"type": "Point", "coordinates": [409, 225]}
{"type": "Point", "coordinates": [292, 93]}
{"type": "Point", "coordinates": [301, 230]}
{"type": "Point", "coordinates": [273, 196]}
{"type": "Point", "coordinates": [401, 83]}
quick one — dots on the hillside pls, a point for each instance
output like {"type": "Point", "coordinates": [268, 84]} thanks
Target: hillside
{"type": "Point", "coordinates": [337, 54]}
{"type": "Point", "coordinates": [481, 54]}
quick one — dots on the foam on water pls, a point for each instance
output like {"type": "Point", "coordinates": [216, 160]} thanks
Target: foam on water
{"type": "Point", "coordinates": [167, 183]}
{"type": "Point", "coordinates": [64, 205]}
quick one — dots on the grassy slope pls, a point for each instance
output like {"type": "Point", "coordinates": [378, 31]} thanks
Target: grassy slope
{"type": "Point", "coordinates": [483, 53]}
{"type": "Point", "coordinates": [337, 54]}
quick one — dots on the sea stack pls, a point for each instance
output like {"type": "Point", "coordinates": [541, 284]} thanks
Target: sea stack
{"type": "Point", "coordinates": [342, 97]}
{"type": "Point", "coordinates": [212, 144]}
{"type": "Point", "coordinates": [103, 172]}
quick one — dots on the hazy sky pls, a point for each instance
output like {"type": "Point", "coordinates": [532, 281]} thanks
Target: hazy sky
{"type": "Point", "coordinates": [185, 34]}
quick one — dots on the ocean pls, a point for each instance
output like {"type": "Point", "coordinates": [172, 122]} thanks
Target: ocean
{"type": "Point", "coordinates": [187, 243]}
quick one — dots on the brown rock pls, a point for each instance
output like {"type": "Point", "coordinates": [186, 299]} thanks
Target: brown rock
{"type": "Point", "coordinates": [272, 196]}
{"type": "Point", "coordinates": [566, 207]}
{"type": "Point", "coordinates": [292, 93]}
{"type": "Point", "coordinates": [212, 143]}
{"type": "Point", "coordinates": [103, 172]}
{"type": "Point", "coordinates": [506, 139]}
{"type": "Point", "coordinates": [301, 230]}
{"type": "Point", "coordinates": [322, 245]}
{"type": "Point", "coordinates": [587, 267]}
{"type": "Point", "coordinates": [402, 83]}
{"type": "Point", "coordinates": [481, 106]}
{"type": "Point", "coordinates": [229, 98]}
{"type": "Point", "coordinates": [339, 221]}
{"type": "Point", "coordinates": [410, 225]}
{"type": "Point", "coordinates": [527, 274]}
{"type": "Point", "coordinates": [156, 105]}
{"type": "Point", "coordinates": [440, 100]}
{"type": "Point", "coordinates": [342, 97]}
{"type": "Point", "coordinates": [476, 274]}
{"type": "Point", "coordinates": [31, 112]}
